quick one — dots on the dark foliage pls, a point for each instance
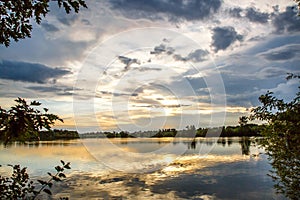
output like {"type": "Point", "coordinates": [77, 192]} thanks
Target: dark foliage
{"type": "Point", "coordinates": [282, 140]}
{"type": "Point", "coordinates": [16, 16]}
{"type": "Point", "coordinates": [58, 135]}
{"type": "Point", "coordinates": [20, 186]}
{"type": "Point", "coordinates": [23, 122]}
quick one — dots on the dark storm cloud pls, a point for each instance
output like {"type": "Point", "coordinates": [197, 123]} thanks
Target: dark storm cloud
{"type": "Point", "coordinates": [56, 52]}
{"type": "Point", "coordinates": [49, 27]}
{"type": "Point", "coordinates": [29, 72]}
{"type": "Point", "coordinates": [271, 72]}
{"type": "Point", "coordinates": [174, 10]}
{"type": "Point", "coordinates": [256, 16]}
{"type": "Point", "coordinates": [256, 38]}
{"type": "Point", "coordinates": [128, 61]}
{"type": "Point", "coordinates": [162, 48]}
{"type": "Point", "coordinates": [282, 53]}
{"type": "Point", "coordinates": [197, 84]}
{"type": "Point", "coordinates": [236, 12]}
{"type": "Point", "coordinates": [223, 37]}
{"type": "Point", "coordinates": [251, 14]}
{"type": "Point", "coordinates": [159, 105]}
{"type": "Point", "coordinates": [61, 91]}
{"type": "Point", "coordinates": [67, 20]}
{"type": "Point", "coordinates": [179, 57]}
{"type": "Point", "coordinates": [141, 102]}
{"type": "Point", "coordinates": [195, 56]}
{"type": "Point", "coordinates": [116, 94]}
{"type": "Point", "coordinates": [244, 91]}
{"type": "Point", "coordinates": [198, 55]}
{"type": "Point", "coordinates": [144, 69]}
{"type": "Point", "coordinates": [243, 99]}
{"type": "Point", "coordinates": [287, 21]}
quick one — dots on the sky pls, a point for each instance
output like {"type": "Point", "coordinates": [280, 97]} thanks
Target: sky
{"type": "Point", "coordinates": [144, 65]}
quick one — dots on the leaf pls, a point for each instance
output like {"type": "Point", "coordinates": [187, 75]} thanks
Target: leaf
{"type": "Point", "coordinates": [42, 182]}
{"type": "Point", "coordinates": [56, 179]}
{"type": "Point", "coordinates": [47, 191]}
{"type": "Point", "coordinates": [35, 192]}
{"type": "Point", "coordinates": [59, 168]}
{"type": "Point", "coordinates": [67, 166]}
{"type": "Point", "coordinates": [50, 184]}
{"type": "Point", "coordinates": [62, 175]}
{"type": "Point", "coordinates": [35, 103]}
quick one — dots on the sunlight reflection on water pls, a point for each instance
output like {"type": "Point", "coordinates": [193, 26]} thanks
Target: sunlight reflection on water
{"type": "Point", "coordinates": [188, 176]}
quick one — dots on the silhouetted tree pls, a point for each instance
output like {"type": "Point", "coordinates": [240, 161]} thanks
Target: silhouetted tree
{"type": "Point", "coordinates": [243, 120]}
{"type": "Point", "coordinates": [16, 16]}
{"type": "Point", "coordinates": [282, 140]}
{"type": "Point", "coordinates": [23, 122]}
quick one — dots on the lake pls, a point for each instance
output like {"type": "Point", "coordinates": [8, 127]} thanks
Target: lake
{"type": "Point", "coordinates": [150, 168]}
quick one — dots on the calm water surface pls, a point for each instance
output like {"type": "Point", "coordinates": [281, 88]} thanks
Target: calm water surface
{"type": "Point", "coordinates": [150, 168]}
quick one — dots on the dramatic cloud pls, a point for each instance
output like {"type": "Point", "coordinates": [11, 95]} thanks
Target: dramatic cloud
{"type": "Point", "coordinates": [252, 14]}
{"type": "Point", "coordinates": [116, 94]}
{"type": "Point", "coordinates": [57, 90]}
{"type": "Point", "coordinates": [29, 72]}
{"type": "Point", "coordinates": [162, 48]}
{"type": "Point", "coordinates": [223, 37]}
{"type": "Point", "coordinates": [49, 27]}
{"type": "Point", "coordinates": [287, 21]}
{"type": "Point", "coordinates": [174, 10]}
{"type": "Point", "coordinates": [271, 72]}
{"type": "Point", "coordinates": [246, 92]}
{"type": "Point", "coordinates": [201, 47]}
{"type": "Point", "coordinates": [256, 16]}
{"type": "Point", "coordinates": [236, 12]}
{"type": "Point", "coordinates": [67, 20]}
{"type": "Point", "coordinates": [144, 69]}
{"type": "Point", "coordinates": [198, 55]}
{"type": "Point", "coordinates": [282, 53]}
{"type": "Point", "coordinates": [128, 62]}
{"type": "Point", "coordinates": [195, 56]}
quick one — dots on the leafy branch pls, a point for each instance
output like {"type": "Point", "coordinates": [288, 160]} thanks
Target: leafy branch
{"type": "Point", "coordinates": [23, 121]}
{"type": "Point", "coordinates": [19, 184]}
{"type": "Point", "coordinates": [16, 15]}
{"type": "Point", "coordinates": [282, 139]}
{"type": "Point", "coordinates": [57, 177]}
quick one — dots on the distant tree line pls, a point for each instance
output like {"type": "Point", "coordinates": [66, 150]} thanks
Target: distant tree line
{"type": "Point", "coordinates": [122, 134]}
{"type": "Point", "coordinates": [58, 135]}
{"type": "Point", "coordinates": [190, 131]}
{"type": "Point", "coordinates": [229, 131]}
{"type": "Point", "coordinates": [48, 135]}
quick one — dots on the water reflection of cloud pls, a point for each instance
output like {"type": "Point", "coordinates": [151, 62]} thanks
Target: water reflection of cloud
{"type": "Point", "coordinates": [196, 175]}
{"type": "Point", "coordinates": [201, 177]}
{"type": "Point", "coordinates": [190, 163]}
